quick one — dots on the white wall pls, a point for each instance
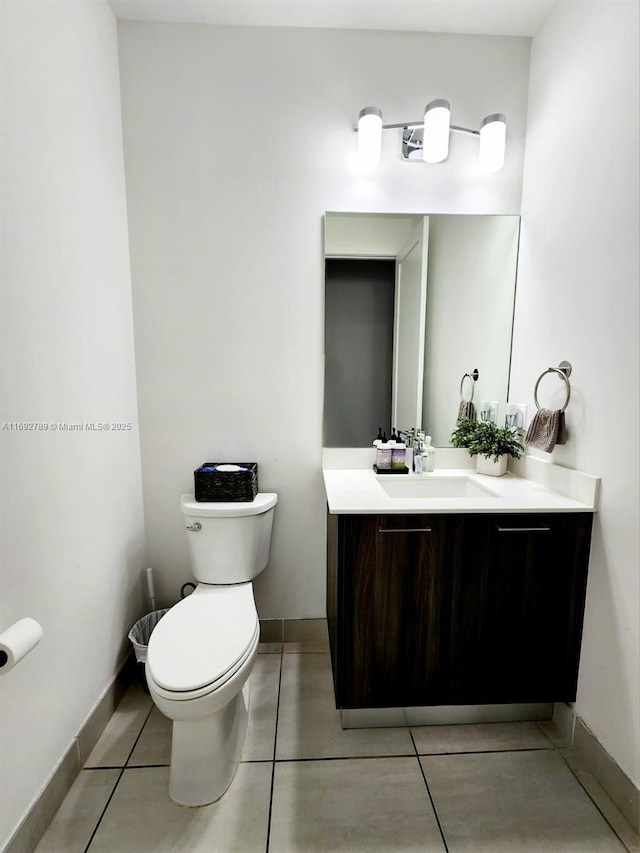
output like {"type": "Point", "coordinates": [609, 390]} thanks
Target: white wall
{"type": "Point", "coordinates": [72, 521]}
{"type": "Point", "coordinates": [237, 141]}
{"type": "Point", "coordinates": [577, 299]}
{"type": "Point", "coordinates": [370, 236]}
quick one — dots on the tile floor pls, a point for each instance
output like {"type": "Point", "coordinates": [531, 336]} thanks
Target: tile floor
{"type": "Point", "coordinates": [305, 785]}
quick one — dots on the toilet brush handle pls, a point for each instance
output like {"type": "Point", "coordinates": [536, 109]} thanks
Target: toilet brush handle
{"type": "Point", "coordinates": [151, 589]}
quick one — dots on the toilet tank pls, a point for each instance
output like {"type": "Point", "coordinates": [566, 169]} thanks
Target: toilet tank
{"type": "Point", "coordinates": [228, 542]}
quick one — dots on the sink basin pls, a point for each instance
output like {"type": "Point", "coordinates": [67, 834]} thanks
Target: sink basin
{"type": "Point", "coordinates": [438, 487]}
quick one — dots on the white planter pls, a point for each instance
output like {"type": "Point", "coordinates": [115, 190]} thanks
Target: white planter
{"type": "Point", "coordinates": [486, 465]}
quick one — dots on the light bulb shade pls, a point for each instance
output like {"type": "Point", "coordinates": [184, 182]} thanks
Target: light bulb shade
{"type": "Point", "coordinates": [437, 121]}
{"type": "Point", "coordinates": [493, 135]}
{"type": "Point", "coordinates": [370, 135]}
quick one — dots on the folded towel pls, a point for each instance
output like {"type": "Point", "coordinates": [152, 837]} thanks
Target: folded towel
{"type": "Point", "coordinates": [466, 411]}
{"type": "Point", "coordinates": [547, 429]}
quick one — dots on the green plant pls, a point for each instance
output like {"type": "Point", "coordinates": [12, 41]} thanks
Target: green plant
{"type": "Point", "coordinates": [487, 439]}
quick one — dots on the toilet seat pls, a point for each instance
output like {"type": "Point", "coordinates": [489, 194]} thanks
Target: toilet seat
{"type": "Point", "coordinates": [203, 641]}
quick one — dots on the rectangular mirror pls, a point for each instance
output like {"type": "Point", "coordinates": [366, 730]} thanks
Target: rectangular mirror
{"type": "Point", "coordinates": [414, 303]}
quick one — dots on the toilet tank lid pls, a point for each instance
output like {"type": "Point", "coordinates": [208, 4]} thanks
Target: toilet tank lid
{"type": "Point", "coordinates": [232, 509]}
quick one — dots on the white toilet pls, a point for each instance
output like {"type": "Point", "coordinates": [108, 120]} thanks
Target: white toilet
{"type": "Point", "coordinates": [202, 651]}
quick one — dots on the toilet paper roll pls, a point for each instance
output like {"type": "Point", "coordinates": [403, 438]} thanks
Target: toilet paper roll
{"type": "Point", "coordinates": [17, 641]}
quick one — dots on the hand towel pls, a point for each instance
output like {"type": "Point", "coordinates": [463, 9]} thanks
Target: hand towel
{"type": "Point", "coordinates": [466, 411]}
{"type": "Point", "coordinates": [547, 429]}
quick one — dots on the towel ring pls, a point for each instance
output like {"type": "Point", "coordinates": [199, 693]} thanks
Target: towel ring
{"type": "Point", "coordinates": [563, 370]}
{"type": "Point", "coordinates": [474, 377]}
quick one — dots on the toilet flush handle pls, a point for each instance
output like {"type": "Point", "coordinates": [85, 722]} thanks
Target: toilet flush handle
{"type": "Point", "coordinates": [195, 527]}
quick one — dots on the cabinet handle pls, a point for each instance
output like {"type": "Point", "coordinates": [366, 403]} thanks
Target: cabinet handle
{"type": "Point", "coordinates": [406, 530]}
{"type": "Point", "coordinates": [522, 529]}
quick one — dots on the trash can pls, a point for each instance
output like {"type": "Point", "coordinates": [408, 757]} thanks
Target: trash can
{"type": "Point", "coordinates": [139, 636]}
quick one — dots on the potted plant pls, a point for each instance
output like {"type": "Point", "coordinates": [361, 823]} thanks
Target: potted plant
{"type": "Point", "coordinates": [490, 443]}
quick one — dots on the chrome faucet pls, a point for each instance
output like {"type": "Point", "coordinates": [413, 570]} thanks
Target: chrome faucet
{"type": "Point", "coordinates": [423, 454]}
{"type": "Point", "coordinates": [422, 459]}
{"type": "Point", "coordinates": [408, 436]}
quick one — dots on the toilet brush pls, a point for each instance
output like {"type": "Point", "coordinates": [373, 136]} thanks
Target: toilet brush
{"type": "Point", "coordinates": [151, 589]}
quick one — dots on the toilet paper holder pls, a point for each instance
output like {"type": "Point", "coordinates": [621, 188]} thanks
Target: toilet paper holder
{"type": "Point", "coordinates": [17, 641]}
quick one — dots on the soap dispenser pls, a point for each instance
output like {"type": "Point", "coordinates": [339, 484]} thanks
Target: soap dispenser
{"type": "Point", "coordinates": [381, 437]}
{"type": "Point", "coordinates": [398, 456]}
{"type": "Point", "coordinates": [383, 457]}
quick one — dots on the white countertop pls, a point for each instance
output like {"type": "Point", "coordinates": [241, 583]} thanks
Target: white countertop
{"type": "Point", "coordinates": [359, 491]}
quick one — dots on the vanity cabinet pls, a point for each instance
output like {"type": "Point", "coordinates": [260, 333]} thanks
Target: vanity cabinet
{"type": "Point", "coordinates": [456, 609]}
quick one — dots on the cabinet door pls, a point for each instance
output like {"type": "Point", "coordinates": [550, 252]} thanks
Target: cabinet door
{"type": "Point", "coordinates": [394, 593]}
{"type": "Point", "coordinates": [521, 596]}
{"type": "Point", "coordinates": [445, 610]}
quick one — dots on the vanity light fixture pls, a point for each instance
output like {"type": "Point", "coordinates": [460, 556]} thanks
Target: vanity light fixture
{"type": "Point", "coordinates": [370, 135]}
{"type": "Point", "coordinates": [493, 133]}
{"type": "Point", "coordinates": [428, 140]}
{"type": "Point", "coordinates": [437, 126]}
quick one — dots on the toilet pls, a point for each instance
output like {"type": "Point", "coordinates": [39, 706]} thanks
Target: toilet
{"type": "Point", "coordinates": [202, 651]}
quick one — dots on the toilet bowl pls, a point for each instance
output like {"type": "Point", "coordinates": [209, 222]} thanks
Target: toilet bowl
{"type": "Point", "coordinates": [202, 651]}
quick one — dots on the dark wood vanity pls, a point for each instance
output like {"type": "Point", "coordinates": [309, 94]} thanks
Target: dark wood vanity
{"type": "Point", "coordinates": [456, 609]}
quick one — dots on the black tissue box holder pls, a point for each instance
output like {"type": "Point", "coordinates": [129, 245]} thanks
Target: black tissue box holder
{"type": "Point", "coordinates": [216, 486]}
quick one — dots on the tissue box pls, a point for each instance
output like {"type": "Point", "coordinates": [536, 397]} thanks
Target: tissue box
{"type": "Point", "coordinates": [213, 485]}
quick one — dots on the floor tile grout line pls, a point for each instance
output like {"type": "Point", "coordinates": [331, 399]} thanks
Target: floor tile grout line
{"type": "Point", "coordinates": [489, 751]}
{"type": "Point", "coordinates": [275, 733]}
{"type": "Point", "coordinates": [102, 813]}
{"type": "Point", "coordinates": [546, 734]}
{"type": "Point", "coordinates": [124, 764]}
{"type": "Point", "coordinates": [135, 743]}
{"type": "Point", "coordinates": [121, 774]}
{"type": "Point", "coordinates": [431, 800]}
{"type": "Point", "coordinates": [595, 803]}
{"type": "Point", "coordinates": [558, 750]}
{"type": "Point", "coordinates": [314, 652]}
{"type": "Point", "coordinates": [342, 758]}
{"type": "Point", "coordinates": [370, 757]}
{"type": "Point", "coordinates": [104, 767]}
{"type": "Point", "coordinates": [273, 762]}
{"type": "Point", "coordinates": [540, 726]}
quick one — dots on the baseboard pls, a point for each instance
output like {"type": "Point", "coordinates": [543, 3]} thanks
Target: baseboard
{"type": "Point", "coordinates": [606, 771]}
{"type": "Point", "coordinates": [565, 719]}
{"type": "Point", "coordinates": [310, 632]}
{"type": "Point", "coordinates": [442, 715]}
{"type": "Point", "coordinates": [33, 826]}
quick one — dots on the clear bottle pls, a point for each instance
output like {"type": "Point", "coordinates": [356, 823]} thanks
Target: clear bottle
{"type": "Point", "coordinates": [429, 460]}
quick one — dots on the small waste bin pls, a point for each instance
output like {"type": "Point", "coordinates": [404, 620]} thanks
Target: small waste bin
{"type": "Point", "coordinates": [139, 636]}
